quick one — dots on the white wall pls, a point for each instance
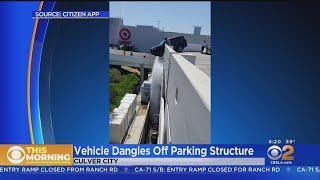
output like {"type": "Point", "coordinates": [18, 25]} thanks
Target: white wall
{"type": "Point", "coordinates": [144, 37]}
{"type": "Point", "coordinates": [188, 101]}
{"type": "Point", "coordinates": [193, 48]}
{"type": "Point", "coordinates": [133, 61]}
{"type": "Point", "coordinates": [115, 24]}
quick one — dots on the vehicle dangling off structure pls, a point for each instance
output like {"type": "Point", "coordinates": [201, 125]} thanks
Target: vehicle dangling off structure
{"type": "Point", "coordinates": [178, 43]}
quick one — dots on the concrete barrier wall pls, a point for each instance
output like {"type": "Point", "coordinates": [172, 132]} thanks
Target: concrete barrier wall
{"type": "Point", "coordinates": [161, 136]}
{"type": "Point", "coordinates": [133, 61]}
{"type": "Point", "coordinates": [121, 118]}
{"type": "Point", "coordinates": [188, 101]}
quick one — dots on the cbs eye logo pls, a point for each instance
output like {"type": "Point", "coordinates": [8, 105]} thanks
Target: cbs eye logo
{"type": "Point", "coordinates": [275, 152]}
{"type": "Point", "coordinates": [15, 154]}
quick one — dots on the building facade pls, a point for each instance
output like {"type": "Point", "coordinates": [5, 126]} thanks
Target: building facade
{"type": "Point", "coordinates": [144, 37]}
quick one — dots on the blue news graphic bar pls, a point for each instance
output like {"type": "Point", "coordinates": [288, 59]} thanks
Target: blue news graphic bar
{"type": "Point", "coordinates": [70, 14]}
{"type": "Point", "coordinates": [274, 155]}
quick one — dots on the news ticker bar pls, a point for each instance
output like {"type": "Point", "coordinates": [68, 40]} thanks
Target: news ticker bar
{"type": "Point", "coordinates": [70, 14]}
{"type": "Point", "coordinates": [158, 169]}
{"type": "Point", "coordinates": [71, 155]}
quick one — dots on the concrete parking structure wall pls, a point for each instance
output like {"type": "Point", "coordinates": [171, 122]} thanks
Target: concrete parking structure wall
{"type": "Point", "coordinates": [187, 101]}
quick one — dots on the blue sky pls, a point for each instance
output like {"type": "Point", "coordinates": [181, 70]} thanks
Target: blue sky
{"type": "Point", "coordinates": [173, 16]}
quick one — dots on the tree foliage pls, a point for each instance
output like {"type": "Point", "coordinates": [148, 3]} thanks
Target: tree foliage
{"type": "Point", "coordinates": [120, 84]}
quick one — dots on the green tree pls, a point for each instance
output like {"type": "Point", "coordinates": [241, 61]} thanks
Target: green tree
{"type": "Point", "coordinates": [120, 84]}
